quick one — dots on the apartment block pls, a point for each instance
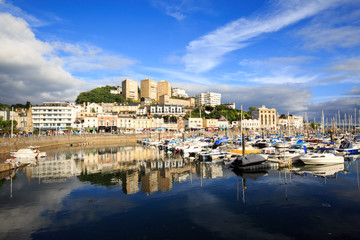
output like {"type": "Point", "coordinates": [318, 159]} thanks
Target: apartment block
{"type": "Point", "coordinates": [53, 115]}
{"type": "Point", "coordinates": [149, 89]}
{"type": "Point", "coordinates": [163, 88]}
{"type": "Point", "coordinates": [178, 92]}
{"type": "Point", "coordinates": [208, 99]}
{"type": "Point", "coordinates": [130, 89]}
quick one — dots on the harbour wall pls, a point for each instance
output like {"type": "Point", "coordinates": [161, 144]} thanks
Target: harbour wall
{"type": "Point", "coordinates": [13, 144]}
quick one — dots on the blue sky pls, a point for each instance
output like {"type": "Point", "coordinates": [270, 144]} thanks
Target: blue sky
{"type": "Point", "coordinates": [296, 56]}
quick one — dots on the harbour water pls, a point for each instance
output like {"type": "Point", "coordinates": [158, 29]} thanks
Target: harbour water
{"type": "Point", "coordinates": [142, 193]}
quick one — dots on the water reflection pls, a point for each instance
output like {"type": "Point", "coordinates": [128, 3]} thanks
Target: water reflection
{"type": "Point", "coordinates": [95, 193]}
{"type": "Point", "coordinates": [134, 168]}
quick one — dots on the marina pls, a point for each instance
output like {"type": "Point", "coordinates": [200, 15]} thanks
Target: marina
{"type": "Point", "coordinates": [150, 192]}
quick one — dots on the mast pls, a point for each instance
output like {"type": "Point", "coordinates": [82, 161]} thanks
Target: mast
{"type": "Point", "coordinates": [12, 121]}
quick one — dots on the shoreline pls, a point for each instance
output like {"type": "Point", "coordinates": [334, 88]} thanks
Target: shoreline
{"type": "Point", "coordinates": [13, 144]}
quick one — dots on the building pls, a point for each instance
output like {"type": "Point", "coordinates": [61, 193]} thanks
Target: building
{"type": "Point", "coordinates": [24, 120]}
{"type": "Point", "coordinates": [286, 121]}
{"type": "Point", "coordinates": [223, 123]}
{"type": "Point", "coordinates": [163, 88]}
{"type": "Point", "coordinates": [130, 89]}
{"type": "Point", "coordinates": [230, 105]}
{"type": "Point", "coordinates": [208, 99]}
{"type": "Point", "coordinates": [91, 123]}
{"type": "Point", "coordinates": [249, 124]}
{"type": "Point", "coordinates": [178, 92]}
{"type": "Point", "coordinates": [118, 90]}
{"type": "Point", "coordinates": [107, 123]}
{"type": "Point", "coordinates": [53, 115]}
{"type": "Point", "coordinates": [126, 108]}
{"type": "Point", "coordinates": [166, 100]}
{"type": "Point", "coordinates": [149, 89]}
{"type": "Point", "coordinates": [210, 124]}
{"type": "Point", "coordinates": [193, 123]}
{"type": "Point", "coordinates": [266, 117]}
{"type": "Point", "coordinates": [175, 110]}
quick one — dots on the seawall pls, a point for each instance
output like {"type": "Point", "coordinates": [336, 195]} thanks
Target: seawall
{"type": "Point", "coordinates": [13, 144]}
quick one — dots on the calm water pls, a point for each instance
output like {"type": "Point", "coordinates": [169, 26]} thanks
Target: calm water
{"type": "Point", "coordinates": [137, 193]}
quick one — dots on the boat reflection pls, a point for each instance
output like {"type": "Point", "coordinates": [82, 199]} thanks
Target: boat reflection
{"type": "Point", "coordinates": [321, 170]}
{"type": "Point", "coordinates": [253, 175]}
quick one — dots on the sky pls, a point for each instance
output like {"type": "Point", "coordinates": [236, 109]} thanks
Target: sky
{"type": "Point", "coordinates": [299, 56]}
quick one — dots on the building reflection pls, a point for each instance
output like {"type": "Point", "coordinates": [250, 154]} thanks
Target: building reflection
{"type": "Point", "coordinates": [135, 169]}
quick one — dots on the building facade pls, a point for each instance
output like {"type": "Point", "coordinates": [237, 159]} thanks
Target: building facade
{"type": "Point", "coordinates": [149, 89]}
{"type": "Point", "coordinates": [174, 110]}
{"type": "Point", "coordinates": [166, 100]}
{"type": "Point", "coordinates": [266, 117]}
{"type": "Point", "coordinates": [193, 123]}
{"type": "Point", "coordinates": [53, 115]}
{"type": "Point", "coordinates": [130, 89]}
{"type": "Point", "coordinates": [208, 99]}
{"type": "Point", "coordinates": [163, 88]}
{"type": "Point", "coordinates": [178, 92]}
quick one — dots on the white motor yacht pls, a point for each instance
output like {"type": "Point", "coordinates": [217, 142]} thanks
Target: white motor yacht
{"type": "Point", "coordinates": [322, 156]}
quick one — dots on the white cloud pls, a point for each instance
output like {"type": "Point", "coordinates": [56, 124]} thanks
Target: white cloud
{"type": "Point", "coordinates": [17, 12]}
{"type": "Point", "coordinates": [326, 37]}
{"type": "Point", "coordinates": [207, 52]}
{"type": "Point", "coordinates": [28, 69]}
{"type": "Point", "coordinates": [178, 76]}
{"type": "Point", "coordinates": [352, 64]}
{"type": "Point", "coordinates": [288, 98]}
{"type": "Point", "coordinates": [179, 9]}
{"type": "Point", "coordinates": [85, 58]}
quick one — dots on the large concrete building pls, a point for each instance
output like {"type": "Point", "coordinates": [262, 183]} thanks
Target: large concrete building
{"type": "Point", "coordinates": [53, 115]}
{"type": "Point", "coordinates": [130, 89]}
{"type": "Point", "coordinates": [208, 99]}
{"type": "Point", "coordinates": [163, 88]}
{"type": "Point", "coordinates": [266, 117]}
{"type": "Point", "coordinates": [148, 89]}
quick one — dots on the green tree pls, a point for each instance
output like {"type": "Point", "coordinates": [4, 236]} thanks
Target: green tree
{"type": "Point", "coordinates": [99, 95]}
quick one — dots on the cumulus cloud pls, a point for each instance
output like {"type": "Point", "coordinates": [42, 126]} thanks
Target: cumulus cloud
{"type": "Point", "coordinates": [28, 69]}
{"type": "Point", "coordinates": [36, 71]}
{"type": "Point", "coordinates": [207, 52]}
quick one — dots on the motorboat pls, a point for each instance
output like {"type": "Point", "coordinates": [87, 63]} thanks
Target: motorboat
{"type": "Point", "coordinates": [346, 147]}
{"type": "Point", "coordinates": [251, 159]}
{"type": "Point", "coordinates": [30, 153]}
{"type": "Point", "coordinates": [294, 153]}
{"type": "Point", "coordinates": [322, 156]}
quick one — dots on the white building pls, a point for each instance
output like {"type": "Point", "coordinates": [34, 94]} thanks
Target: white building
{"type": "Point", "coordinates": [249, 124]}
{"type": "Point", "coordinates": [116, 91]}
{"type": "Point", "coordinates": [91, 123]}
{"type": "Point", "coordinates": [193, 123]}
{"type": "Point", "coordinates": [53, 115]}
{"type": "Point", "coordinates": [208, 99]}
{"type": "Point", "coordinates": [167, 110]}
{"type": "Point", "coordinates": [178, 92]}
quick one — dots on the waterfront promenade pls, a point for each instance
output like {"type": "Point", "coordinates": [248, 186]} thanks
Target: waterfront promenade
{"type": "Point", "coordinates": [13, 144]}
